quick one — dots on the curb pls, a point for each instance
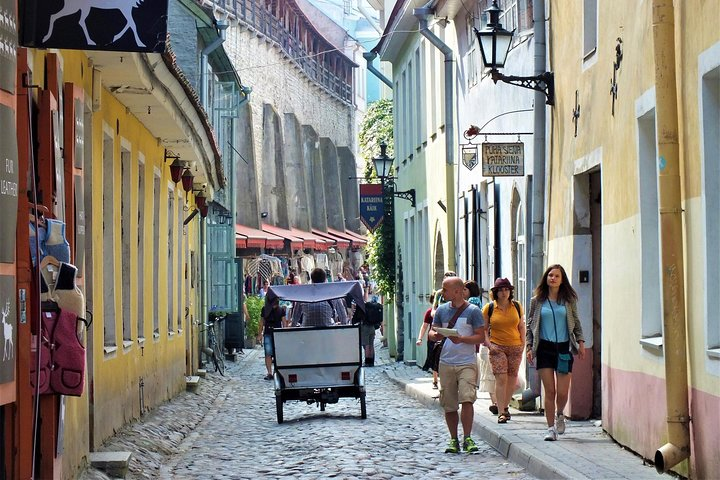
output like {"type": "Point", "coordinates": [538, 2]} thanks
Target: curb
{"type": "Point", "coordinates": [509, 445]}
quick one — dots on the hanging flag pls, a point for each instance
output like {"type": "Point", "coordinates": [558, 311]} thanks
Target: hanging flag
{"type": "Point", "coordinates": [372, 209]}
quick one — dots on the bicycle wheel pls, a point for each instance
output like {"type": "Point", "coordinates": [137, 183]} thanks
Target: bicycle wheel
{"type": "Point", "coordinates": [219, 360]}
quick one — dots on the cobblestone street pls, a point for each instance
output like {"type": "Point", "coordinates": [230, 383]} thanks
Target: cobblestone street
{"type": "Point", "coordinates": [228, 429]}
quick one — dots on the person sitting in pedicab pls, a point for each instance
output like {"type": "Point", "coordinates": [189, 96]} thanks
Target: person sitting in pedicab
{"type": "Point", "coordinates": [319, 314]}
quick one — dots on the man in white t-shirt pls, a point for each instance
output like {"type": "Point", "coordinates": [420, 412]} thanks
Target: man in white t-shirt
{"type": "Point", "coordinates": [458, 364]}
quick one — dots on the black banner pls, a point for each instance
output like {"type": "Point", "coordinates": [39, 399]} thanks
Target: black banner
{"type": "Point", "coordinates": [8, 45]}
{"type": "Point", "coordinates": [113, 25]}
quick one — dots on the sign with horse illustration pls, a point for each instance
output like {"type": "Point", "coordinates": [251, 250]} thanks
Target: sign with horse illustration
{"type": "Point", "coordinates": [113, 25]}
{"type": "Point", "coordinates": [8, 313]}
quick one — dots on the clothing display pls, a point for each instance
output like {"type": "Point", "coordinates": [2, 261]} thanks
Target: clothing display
{"type": "Point", "coordinates": [62, 356]}
{"type": "Point", "coordinates": [335, 260]}
{"type": "Point", "coordinates": [321, 261]}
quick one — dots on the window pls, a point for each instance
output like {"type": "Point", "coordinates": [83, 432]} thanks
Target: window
{"type": "Point", "coordinates": [590, 24]}
{"type": "Point", "coordinates": [519, 247]}
{"type": "Point", "coordinates": [171, 302]}
{"type": "Point", "coordinates": [709, 73]}
{"type": "Point", "coordinates": [125, 239]}
{"type": "Point", "coordinates": [156, 253]}
{"type": "Point", "coordinates": [509, 15]}
{"type": "Point", "coordinates": [140, 291]}
{"type": "Point", "coordinates": [182, 245]}
{"type": "Point", "coordinates": [471, 60]}
{"type": "Point", "coordinates": [651, 280]}
{"type": "Point", "coordinates": [108, 248]}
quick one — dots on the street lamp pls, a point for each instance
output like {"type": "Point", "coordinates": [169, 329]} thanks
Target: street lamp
{"type": "Point", "coordinates": [383, 164]}
{"type": "Point", "coordinates": [494, 43]}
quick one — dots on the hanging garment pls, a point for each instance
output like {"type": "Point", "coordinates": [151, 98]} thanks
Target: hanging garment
{"type": "Point", "coordinates": [335, 259]}
{"type": "Point", "coordinates": [62, 356]}
{"type": "Point", "coordinates": [321, 261]}
{"type": "Point", "coordinates": [55, 242]}
{"type": "Point", "coordinates": [356, 260]}
{"type": "Point", "coordinates": [307, 264]}
{"type": "Point", "coordinates": [57, 284]}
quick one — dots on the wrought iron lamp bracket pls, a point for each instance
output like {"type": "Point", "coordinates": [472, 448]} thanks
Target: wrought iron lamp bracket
{"type": "Point", "coordinates": [407, 195]}
{"type": "Point", "coordinates": [545, 82]}
{"type": "Point", "coordinates": [389, 182]}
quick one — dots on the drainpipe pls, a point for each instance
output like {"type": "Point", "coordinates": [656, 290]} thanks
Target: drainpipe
{"type": "Point", "coordinates": [423, 14]}
{"type": "Point", "coordinates": [369, 57]}
{"type": "Point", "coordinates": [537, 242]}
{"type": "Point", "coordinates": [222, 26]}
{"type": "Point", "coordinates": [671, 235]}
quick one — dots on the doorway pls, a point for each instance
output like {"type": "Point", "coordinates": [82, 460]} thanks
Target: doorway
{"type": "Point", "coordinates": [596, 236]}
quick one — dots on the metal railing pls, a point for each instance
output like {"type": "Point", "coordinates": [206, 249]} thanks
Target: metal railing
{"type": "Point", "coordinates": [254, 15]}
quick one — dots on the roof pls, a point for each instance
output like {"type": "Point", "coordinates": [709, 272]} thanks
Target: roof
{"type": "Point", "coordinates": [316, 292]}
{"type": "Point", "coordinates": [248, 237]}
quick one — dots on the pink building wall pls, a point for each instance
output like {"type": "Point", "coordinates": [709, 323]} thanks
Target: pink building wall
{"type": "Point", "coordinates": [634, 413]}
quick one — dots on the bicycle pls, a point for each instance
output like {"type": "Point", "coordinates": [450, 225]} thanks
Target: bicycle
{"type": "Point", "coordinates": [213, 349]}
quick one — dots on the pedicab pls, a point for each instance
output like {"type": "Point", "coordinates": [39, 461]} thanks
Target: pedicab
{"type": "Point", "coordinates": [318, 365]}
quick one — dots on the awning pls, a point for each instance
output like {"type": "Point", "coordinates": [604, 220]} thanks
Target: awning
{"type": "Point", "coordinates": [339, 240]}
{"type": "Point", "coordinates": [358, 240]}
{"type": "Point", "coordinates": [240, 241]}
{"type": "Point", "coordinates": [258, 238]}
{"type": "Point", "coordinates": [296, 243]}
{"type": "Point", "coordinates": [312, 241]}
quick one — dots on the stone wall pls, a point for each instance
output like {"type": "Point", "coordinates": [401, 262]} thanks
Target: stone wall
{"type": "Point", "coordinates": [293, 121]}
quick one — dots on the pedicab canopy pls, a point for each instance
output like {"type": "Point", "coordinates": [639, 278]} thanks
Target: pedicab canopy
{"type": "Point", "coordinates": [316, 292]}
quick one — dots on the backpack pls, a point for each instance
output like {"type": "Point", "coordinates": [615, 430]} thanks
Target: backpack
{"type": "Point", "coordinates": [492, 307]}
{"type": "Point", "coordinates": [373, 314]}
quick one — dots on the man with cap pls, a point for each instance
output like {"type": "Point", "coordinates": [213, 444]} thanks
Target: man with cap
{"type": "Point", "coordinates": [458, 365]}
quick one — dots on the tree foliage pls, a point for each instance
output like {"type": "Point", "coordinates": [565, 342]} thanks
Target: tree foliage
{"type": "Point", "coordinates": [377, 127]}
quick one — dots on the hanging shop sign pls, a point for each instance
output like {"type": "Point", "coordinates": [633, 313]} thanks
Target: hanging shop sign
{"type": "Point", "coordinates": [8, 314]}
{"type": "Point", "coordinates": [469, 156]}
{"type": "Point", "coordinates": [111, 25]}
{"type": "Point", "coordinates": [8, 184]}
{"type": "Point", "coordinates": [503, 159]}
{"type": "Point", "coordinates": [8, 45]}
{"type": "Point", "coordinates": [372, 209]}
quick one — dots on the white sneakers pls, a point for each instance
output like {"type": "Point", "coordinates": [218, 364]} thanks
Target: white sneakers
{"type": "Point", "coordinates": [557, 429]}
{"type": "Point", "coordinates": [560, 423]}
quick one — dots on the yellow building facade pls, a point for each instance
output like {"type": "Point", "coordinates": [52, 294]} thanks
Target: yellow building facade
{"type": "Point", "coordinates": [610, 192]}
{"type": "Point", "coordinates": [135, 238]}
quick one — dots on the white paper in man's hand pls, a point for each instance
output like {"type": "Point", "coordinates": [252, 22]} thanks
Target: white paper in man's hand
{"type": "Point", "coordinates": [447, 332]}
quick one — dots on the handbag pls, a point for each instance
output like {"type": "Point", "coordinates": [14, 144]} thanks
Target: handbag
{"type": "Point", "coordinates": [563, 362]}
{"type": "Point", "coordinates": [437, 348]}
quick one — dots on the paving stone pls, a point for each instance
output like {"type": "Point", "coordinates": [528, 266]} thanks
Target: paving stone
{"type": "Point", "coordinates": [228, 430]}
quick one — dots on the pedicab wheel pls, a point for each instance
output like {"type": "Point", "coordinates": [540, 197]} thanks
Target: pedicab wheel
{"type": "Point", "coordinates": [363, 409]}
{"type": "Point", "coordinates": [279, 408]}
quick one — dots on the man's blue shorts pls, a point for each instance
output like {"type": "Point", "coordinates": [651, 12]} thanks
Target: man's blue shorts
{"type": "Point", "coordinates": [267, 345]}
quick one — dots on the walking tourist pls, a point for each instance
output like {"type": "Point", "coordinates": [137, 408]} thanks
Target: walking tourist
{"type": "Point", "coordinates": [462, 328]}
{"type": "Point", "coordinates": [505, 322]}
{"type": "Point", "coordinates": [554, 335]}
{"type": "Point", "coordinates": [273, 316]}
{"type": "Point", "coordinates": [424, 328]}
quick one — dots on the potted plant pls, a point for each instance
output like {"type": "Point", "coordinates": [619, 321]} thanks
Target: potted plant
{"type": "Point", "coordinates": [252, 323]}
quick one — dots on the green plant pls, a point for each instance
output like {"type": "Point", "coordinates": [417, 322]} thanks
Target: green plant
{"type": "Point", "coordinates": [377, 127]}
{"type": "Point", "coordinates": [252, 323]}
